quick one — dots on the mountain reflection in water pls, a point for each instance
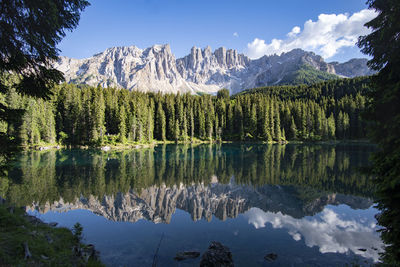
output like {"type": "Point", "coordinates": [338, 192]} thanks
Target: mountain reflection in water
{"type": "Point", "coordinates": [314, 192]}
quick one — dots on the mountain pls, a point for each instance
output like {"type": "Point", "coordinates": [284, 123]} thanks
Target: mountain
{"type": "Point", "coordinates": [202, 71]}
{"type": "Point", "coordinates": [352, 68]}
{"type": "Point", "coordinates": [158, 203]}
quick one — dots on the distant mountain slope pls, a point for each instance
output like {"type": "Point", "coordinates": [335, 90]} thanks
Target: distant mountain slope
{"type": "Point", "coordinates": [335, 89]}
{"type": "Point", "coordinates": [202, 71]}
{"type": "Point", "coordinates": [306, 74]}
{"type": "Point", "coordinates": [353, 68]}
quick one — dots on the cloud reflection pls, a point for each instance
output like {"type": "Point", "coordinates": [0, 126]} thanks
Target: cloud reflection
{"type": "Point", "coordinates": [329, 232]}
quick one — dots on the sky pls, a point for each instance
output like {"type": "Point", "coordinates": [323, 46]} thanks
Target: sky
{"type": "Point", "coordinates": [329, 28]}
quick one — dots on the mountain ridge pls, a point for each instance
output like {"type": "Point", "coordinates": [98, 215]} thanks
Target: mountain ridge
{"type": "Point", "coordinates": [159, 203]}
{"type": "Point", "coordinates": [155, 69]}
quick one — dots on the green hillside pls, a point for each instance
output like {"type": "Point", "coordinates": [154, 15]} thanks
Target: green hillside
{"type": "Point", "coordinates": [306, 75]}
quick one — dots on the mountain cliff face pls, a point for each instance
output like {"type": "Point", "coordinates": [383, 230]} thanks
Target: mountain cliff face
{"type": "Point", "coordinates": [352, 68]}
{"type": "Point", "coordinates": [155, 69]}
{"type": "Point", "coordinates": [158, 203]}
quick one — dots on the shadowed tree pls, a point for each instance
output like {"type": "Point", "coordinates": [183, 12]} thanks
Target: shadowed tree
{"type": "Point", "coordinates": [383, 113]}
{"type": "Point", "coordinates": [29, 33]}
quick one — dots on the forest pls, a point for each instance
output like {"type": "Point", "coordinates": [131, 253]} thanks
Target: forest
{"type": "Point", "coordinates": [48, 176]}
{"type": "Point", "coordinates": [93, 116]}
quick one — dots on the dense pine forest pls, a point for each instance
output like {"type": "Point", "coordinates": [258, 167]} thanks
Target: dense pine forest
{"type": "Point", "coordinates": [328, 169]}
{"type": "Point", "coordinates": [84, 115]}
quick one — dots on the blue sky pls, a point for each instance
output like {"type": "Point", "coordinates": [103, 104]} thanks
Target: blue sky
{"type": "Point", "coordinates": [187, 23]}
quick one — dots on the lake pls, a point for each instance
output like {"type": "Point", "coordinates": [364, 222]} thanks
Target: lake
{"type": "Point", "coordinates": [309, 204]}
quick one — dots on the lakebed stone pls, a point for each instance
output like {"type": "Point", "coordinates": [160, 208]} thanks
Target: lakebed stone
{"type": "Point", "coordinates": [217, 255]}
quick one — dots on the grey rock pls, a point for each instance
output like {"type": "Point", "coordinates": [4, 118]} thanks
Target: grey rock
{"type": "Point", "coordinates": [352, 68]}
{"type": "Point", "coordinates": [158, 203]}
{"type": "Point", "coordinates": [155, 69]}
{"type": "Point", "coordinates": [216, 255]}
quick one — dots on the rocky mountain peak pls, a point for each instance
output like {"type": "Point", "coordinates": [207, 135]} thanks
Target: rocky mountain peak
{"type": "Point", "coordinates": [353, 67]}
{"type": "Point", "coordinates": [156, 69]}
{"type": "Point", "coordinates": [158, 203]}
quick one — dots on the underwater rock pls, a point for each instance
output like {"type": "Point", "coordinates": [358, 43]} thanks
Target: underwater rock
{"type": "Point", "coordinates": [217, 255]}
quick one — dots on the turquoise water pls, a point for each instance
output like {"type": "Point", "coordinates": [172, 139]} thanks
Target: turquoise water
{"type": "Point", "coordinates": [309, 204]}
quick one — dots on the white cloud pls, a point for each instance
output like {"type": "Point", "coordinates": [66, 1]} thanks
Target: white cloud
{"type": "Point", "coordinates": [325, 36]}
{"type": "Point", "coordinates": [330, 232]}
{"type": "Point", "coordinates": [235, 34]}
{"type": "Point", "coordinates": [294, 32]}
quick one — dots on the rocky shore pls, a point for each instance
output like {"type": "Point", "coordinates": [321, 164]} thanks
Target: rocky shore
{"type": "Point", "coordinates": [27, 241]}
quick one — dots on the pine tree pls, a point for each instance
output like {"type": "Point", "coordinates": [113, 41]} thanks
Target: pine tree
{"type": "Point", "coordinates": [210, 116]}
{"type": "Point", "coordinates": [383, 113]}
{"type": "Point", "coordinates": [331, 127]}
{"type": "Point", "coordinates": [292, 134]}
{"type": "Point", "coordinates": [98, 115]}
{"type": "Point", "coordinates": [271, 121]}
{"type": "Point", "coordinates": [122, 125]}
{"type": "Point", "coordinates": [170, 114]}
{"type": "Point", "coordinates": [253, 121]}
{"type": "Point", "coordinates": [176, 132]}
{"type": "Point", "coordinates": [202, 124]}
{"type": "Point", "coordinates": [229, 121]}
{"type": "Point", "coordinates": [192, 125]}
{"type": "Point", "coordinates": [277, 126]}
{"type": "Point", "coordinates": [150, 124]}
{"type": "Point", "coordinates": [239, 121]}
{"type": "Point", "coordinates": [160, 127]}
{"type": "Point", "coordinates": [30, 32]}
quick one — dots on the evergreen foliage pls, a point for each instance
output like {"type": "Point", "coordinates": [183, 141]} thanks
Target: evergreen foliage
{"type": "Point", "coordinates": [29, 33]}
{"type": "Point", "coordinates": [46, 176]}
{"type": "Point", "coordinates": [306, 74]}
{"type": "Point", "coordinates": [383, 115]}
{"type": "Point", "coordinates": [84, 115]}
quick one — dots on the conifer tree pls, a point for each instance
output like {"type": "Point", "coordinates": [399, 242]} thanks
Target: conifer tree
{"type": "Point", "coordinates": [202, 124]}
{"type": "Point", "coordinates": [229, 121]}
{"type": "Point", "coordinates": [238, 123]}
{"type": "Point", "coordinates": [277, 126]}
{"type": "Point", "coordinates": [331, 127]}
{"type": "Point", "coordinates": [150, 123]}
{"type": "Point", "coordinates": [271, 121]}
{"type": "Point", "coordinates": [27, 47]}
{"type": "Point", "coordinates": [292, 134]}
{"type": "Point", "coordinates": [192, 125]}
{"type": "Point", "coordinates": [383, 113]}
{"type": "Point", "coordinates": [122, 124]}
{"type": "Point", "coordinates": [160, 127]}
{"type": "Point", "coordinates": [253, 121]}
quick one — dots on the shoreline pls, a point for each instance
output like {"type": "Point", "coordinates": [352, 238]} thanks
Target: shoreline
{"type": "Point", "coordinates": [30, 241]}
{"type": "Point", "coordinates": [132, 146]}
